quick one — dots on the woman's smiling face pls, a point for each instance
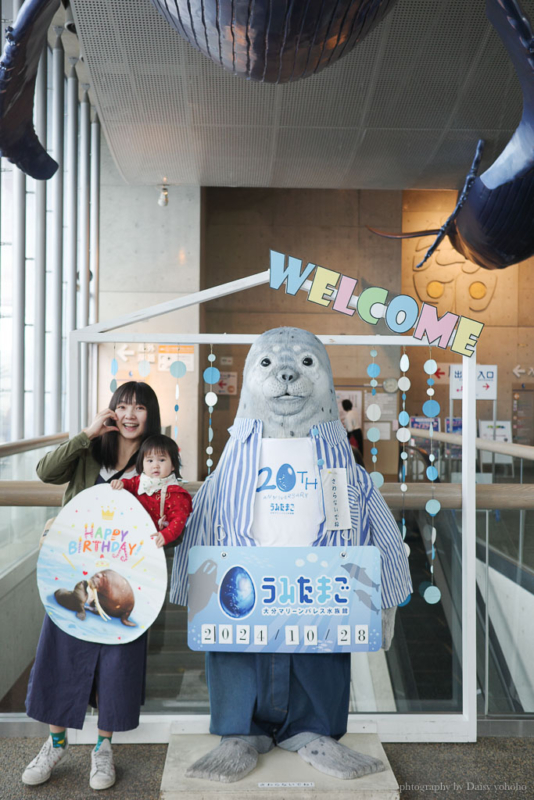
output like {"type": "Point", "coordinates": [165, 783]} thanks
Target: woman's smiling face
{"type": "Point", "coordinates": [131, 419]}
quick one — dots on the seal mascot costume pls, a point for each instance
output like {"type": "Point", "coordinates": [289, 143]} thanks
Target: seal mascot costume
{"type": "Point", "coordinates": [287, 413]}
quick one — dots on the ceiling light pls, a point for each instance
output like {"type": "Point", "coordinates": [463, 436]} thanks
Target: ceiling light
{"type": "Point", "coordinates": [70, 25]}
{"type": "Point", "coordinates": [163, 199]}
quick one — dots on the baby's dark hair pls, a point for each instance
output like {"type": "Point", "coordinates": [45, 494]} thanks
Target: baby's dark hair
{"type": "Point", "coordinates": [159, 444]}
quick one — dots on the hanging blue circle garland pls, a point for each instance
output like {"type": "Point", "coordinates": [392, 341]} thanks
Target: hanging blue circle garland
{"type": "Point", "coordinates": [403, 436]}
{"type": "Point", "coordinates": [177, 370]}
{"type": "Point", "coordinates": [143, 366]}
{"type": "Point", "coordinates": [373, 413]}
{"type": "Point", "coordinates": [211, 376]}
{"type": "Point", "coordinates": [114, 370]}
{"type": "Point", "coordinates": [431, 409]}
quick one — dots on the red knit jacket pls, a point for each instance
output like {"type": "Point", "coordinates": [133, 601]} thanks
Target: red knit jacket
{"type": "Point", "coordinates": [178, 505]}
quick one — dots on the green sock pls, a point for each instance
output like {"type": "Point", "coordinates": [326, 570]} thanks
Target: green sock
{"type": "Point", "coordinates": [100, 740]}
{"type": "Point", "coordinates": [59, 739]}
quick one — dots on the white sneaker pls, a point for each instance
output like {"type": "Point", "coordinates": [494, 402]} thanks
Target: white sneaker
{"type": "Point", "coordinates": [102, 767]}
{"type": "Point", "coordinates": [40, 769]}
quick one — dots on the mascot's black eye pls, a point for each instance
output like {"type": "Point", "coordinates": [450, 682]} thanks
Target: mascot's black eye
{"type": "Point", "coordinates": [265, 362]}
{"type": "Point", "coordinates": [307, 361]}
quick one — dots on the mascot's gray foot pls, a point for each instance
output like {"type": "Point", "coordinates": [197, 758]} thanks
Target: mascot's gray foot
{"type": "Point", "coordinates": [229, 762]}
{"type": "Point", "coordinates": [335, 759]}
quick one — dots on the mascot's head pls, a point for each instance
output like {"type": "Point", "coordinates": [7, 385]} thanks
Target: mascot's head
{"type": "Point", "coordinates": [287, 383]}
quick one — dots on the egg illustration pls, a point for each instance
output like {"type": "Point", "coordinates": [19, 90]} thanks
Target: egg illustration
{"type": "Point", "coordinates": [286, 478]}
{"type": "Point", "coordinates": [237, 593]}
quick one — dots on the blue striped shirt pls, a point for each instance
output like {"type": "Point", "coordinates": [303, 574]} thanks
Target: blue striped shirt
{"type": "Point", "coordinates": [223, 508]}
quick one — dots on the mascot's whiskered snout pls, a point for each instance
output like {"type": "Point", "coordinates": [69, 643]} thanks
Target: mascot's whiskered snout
{"type": "Point", "coordinates": [288, 383]}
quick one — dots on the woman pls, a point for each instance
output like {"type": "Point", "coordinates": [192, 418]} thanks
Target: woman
{"type": "Point", "coordinates": [69, 673]}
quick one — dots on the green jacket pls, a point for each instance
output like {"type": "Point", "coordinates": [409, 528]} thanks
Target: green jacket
{"type": "Point", "coordinates": [72, 462]}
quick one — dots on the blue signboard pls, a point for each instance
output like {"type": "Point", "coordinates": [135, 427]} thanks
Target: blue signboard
{"type": "Point", "coordinates": [284, 599]}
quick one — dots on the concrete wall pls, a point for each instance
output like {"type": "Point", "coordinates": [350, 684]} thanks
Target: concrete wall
{"type": "Point", "coordinates": [21, 617]}
{"type": "Point", "coordinates": [150, 255]}
{"type": "Point", "coordinates": [326, 227]}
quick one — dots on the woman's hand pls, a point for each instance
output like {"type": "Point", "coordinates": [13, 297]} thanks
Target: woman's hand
{"type": "Point", "coordinates": [117, 485]}
{"type": "Point", "coordinates": [98, 427]}
{"type": "Point", "coordinates": [160, 541]}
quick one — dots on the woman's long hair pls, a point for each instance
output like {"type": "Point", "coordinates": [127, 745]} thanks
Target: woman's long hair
{"type": "Point", "coordinates": [105, 448]}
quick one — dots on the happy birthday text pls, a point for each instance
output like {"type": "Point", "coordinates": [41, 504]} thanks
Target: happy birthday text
{"type": "Point", "coordinates": [105, 540]}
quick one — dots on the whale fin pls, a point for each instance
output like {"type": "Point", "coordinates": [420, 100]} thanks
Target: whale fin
{"type": "Point", "coordinates": [411, 235]}
{"type": "Point", "coordinates": [25, 42]}
{"type": "Point", "coordinates": [469, 181]}
{"type": "Point", "coordinates": [516, 34]}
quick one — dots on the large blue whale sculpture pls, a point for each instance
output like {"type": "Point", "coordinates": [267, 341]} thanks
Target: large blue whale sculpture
{"type": "Point", "coordinates": [274, 41]}
{"type": "Point", "coordinates": [265, 40]}
{"type": "Point", "coordinates": [493, 222]}
{"type": "Point", "coordinates": [277, 41]}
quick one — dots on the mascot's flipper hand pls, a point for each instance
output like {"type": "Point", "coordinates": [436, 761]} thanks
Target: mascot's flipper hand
{"type": "Point", "coordinates": [202, 584]}
{"type": "Point", "coordinates": [229, 762]}
{"type": "Point", "coordinates": [388, 626]}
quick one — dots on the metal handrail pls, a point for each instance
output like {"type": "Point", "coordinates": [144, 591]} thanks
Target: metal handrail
{"type": "Point", "coordinates": [23, 445]}
{"type": "Point", "coordinates": [489, 496]}
{"type": "Point", "coordinates": [36, 493]}
{"type": "Point", "coordinates": [505, 448]}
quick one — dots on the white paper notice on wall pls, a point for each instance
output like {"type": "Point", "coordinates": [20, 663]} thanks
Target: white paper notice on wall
{"type": "Point", "coordinates": [168, 353]}
{"type": "Point", "coordinates": [336, 499]}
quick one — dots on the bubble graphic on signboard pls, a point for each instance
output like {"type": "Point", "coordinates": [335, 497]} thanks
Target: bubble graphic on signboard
{"type": "Point", "coordinates": [237, 593]}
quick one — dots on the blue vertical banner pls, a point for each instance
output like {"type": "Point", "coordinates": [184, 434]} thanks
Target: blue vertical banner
{"type": "Point", "coordinates": [284, 599]}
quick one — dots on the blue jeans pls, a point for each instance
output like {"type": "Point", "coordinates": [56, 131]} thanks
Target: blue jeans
{"type": "Point", "coordinates": [277, 698]}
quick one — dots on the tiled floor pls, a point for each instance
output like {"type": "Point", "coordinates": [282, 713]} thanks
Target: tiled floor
{"type": "Point", "coordinates": [139, 770]}
{"type": "Point", "coordinates": [491, 769]}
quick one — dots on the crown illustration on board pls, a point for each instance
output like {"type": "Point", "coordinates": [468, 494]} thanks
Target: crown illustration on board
{"type": "Point", "coordinates": [102, 563]}
{"type": "Point", "coordinates": [107, 513]}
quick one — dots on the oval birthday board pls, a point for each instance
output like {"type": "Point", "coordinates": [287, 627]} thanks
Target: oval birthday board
{"type": "Point", "coordinates": [101, 577]}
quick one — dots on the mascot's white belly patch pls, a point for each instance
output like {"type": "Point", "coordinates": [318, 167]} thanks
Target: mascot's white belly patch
{"type": "Point", "coordinates": [288, 505]}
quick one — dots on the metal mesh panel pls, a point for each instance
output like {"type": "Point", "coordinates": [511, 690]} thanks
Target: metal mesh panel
{"type": "Point", "coordinates": [404, 109]}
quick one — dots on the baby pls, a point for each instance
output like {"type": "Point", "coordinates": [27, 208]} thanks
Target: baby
{"type": "Point", "coordinates": [157, 489]}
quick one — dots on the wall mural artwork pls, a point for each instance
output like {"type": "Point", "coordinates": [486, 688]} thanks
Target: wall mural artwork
{"type": "Point", "coordinates": [450, 282]}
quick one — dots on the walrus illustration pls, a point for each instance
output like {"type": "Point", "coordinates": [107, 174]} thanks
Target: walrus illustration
{"type": "Point", "coordinates": [107, 593]}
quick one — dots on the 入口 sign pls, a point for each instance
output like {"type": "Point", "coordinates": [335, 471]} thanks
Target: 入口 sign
{"type": "Point", "coordinates": [486, 385]}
